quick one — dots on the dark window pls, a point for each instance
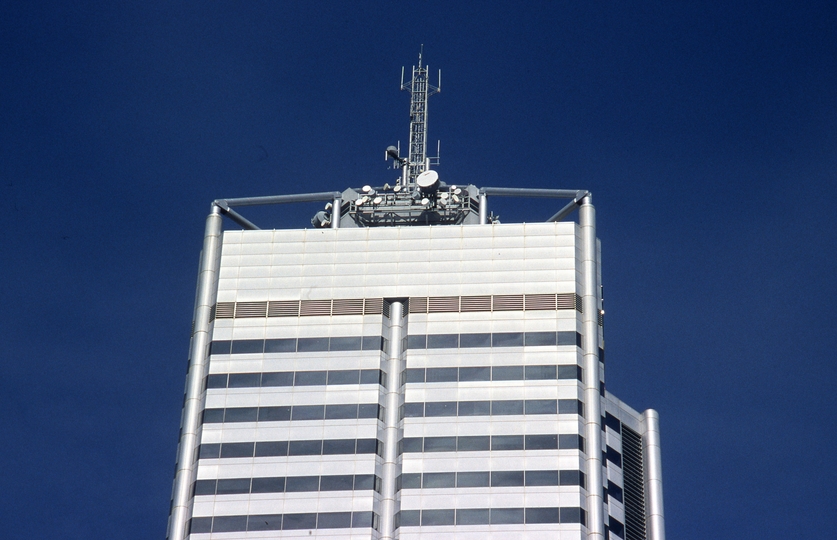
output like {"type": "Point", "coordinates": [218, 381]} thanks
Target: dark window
{"type": "Point", "coordinates": [345, 343]}
{"type": "Point", "coordinates": [305, 448]}
{"type": "Point", "coordinates": [415, 375]}
{"type": "Point", "coordinates": [229, 523]}
{"type": "Point", "coordinates": [568, 338]}
{"type": "Point", "coordinates": [410, 518]}
{"type": "Point", "coordinates": [265, 522]}
{"type": "Point", "coordinates": [442, 341]}
{"type": "Point", "coordinates": [473, 479]}
{"type": "Point", "coordinates": [474, 340]}
{"type": "Point", "coordinates": [540, 338]}
{"type": "Point", "coordinates": [412, 444]}
{"type": "Point", "coordinates": [274, 414]}
{"type": "Point", "coordinates": [507, 407]}
{"type": "Point", "coordinates": [614, 491]}
{"type": "Point", "coordinates": [364, 481]}
{"type": "Point", "coordinates": [247, 346]}
{"type": "Point", "coordinates": [506, 478]}
{"type": "Point", "coordinates": [413, 410]}
{"type": "Point", "coordinates": [441, 374]}
{"type": "Point", "coordinates": [341, 482]}
{"type": "Point", "coordinates": [244, 380]}
{"type": "Point", "coordinates": [205, 487]}
{"type": "Point", "coordinates": [228, 486]}
{"type": "Point", "coordinates": [216, 381]}
{"type": "Point", "coordinates": [507, 373]}
{"type": "Point", "coordinates": [567, 372]}
{"type": "Point", "coordinates": [367, 446]}
{"type": "Point", "coordinates": [334, 520]}
{"type": "Point", "coordinates": [411, 481]}
{"type": "Point", "coordinates": [440, 408]}
{"type": "Point", "coordinates": [213, 416]}
{"type": "Point", "coordinates": [505, 516]}
{"type": "Point", "coordinates": [613, 423]}
{"type": "Point", "coordinates": [316, 344]}
{"type": "Point", "coordinates": [417, 342]}
{"type": "Point", "coordinates": [573, 515]}
{"type": "Point", "coordinates": [507, 339]}
{"type": "Point", "coordinates": [242, 414]}
{"type": "Point", "coordinates": [474, 408]}
{"type": "Point", "coordinates": [614, 457]}
{"type": "Point", "coordinates": [236, 450]}
{"type": "Point", "coordinates": [569, 406]}
{"type": "Point", "coordinates": [541, 406]}
{"type": "Point", "coordinates": [336, 412]}
{"type": "Point", "coordinates": [540, 373]}
{"type": "Point", "coordinates": [474, 374]}
{"type": "Point", "coordinates": [338, 446]}
{"type": "Point", "coordinates": [437, 517]}
{"type": "Point", "coordinates": [474, 443]}
{"type": "Point", "coordinates": [542, 478]}
{"type": "Point", "coordinates": [282, 378]}
{"type": "Point", "coordinates": [280, 345]}
{"type": "Point", "coordinates": [310, 378]}
{"type": "Point", "coordinates": [200, 525]}
{"type": "Point", "coordinates": [541, 515]}
{"type": "Point", "coordinates": [507, 442]}
{"type": "Point", "coordinates": [477, 516]}
{"type": "Point", "coordinates": [362, 519]}
{"type": "Point", "coordinates": [299, 521]}
{"type": "Point", "coordinates": [372, 343]}
{"type": "Point", "coordinates": [440, 444]}
{"type": "Point", "coordinates": [344, 376]}
{"type": "Point", "coordinates": [439, 480]}
{"type": "Point", "coordinates": [219, 347]}
{"type": "Point", "coordinates": [570, 478]}
{"type": "Point", "coordinates": [370, 376]}
{"type": "Point", "coordinates": [541, 442]}
{"type": "Point", "coordinates": [271, 448]}
{"type": "Point", "coordinates": [302, 483]}
{"type": "Point", "coordinates": [570, 442]}
{"type": "Point", "coordinates": [268, 485]}
{"type": "Point", "coordinates": [369, 410]}
{"type": "Point", "coordinates": [616, 527]}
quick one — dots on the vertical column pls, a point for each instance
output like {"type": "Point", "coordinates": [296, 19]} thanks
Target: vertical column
{"type": "Point", "coordinates": [483, 208]}
{"type": "Point", "coordinates": [655, 521]}
{"type": "Point", "coordinates": [592, 400]}
{"type": "Point", "coordinates": [393, 431]}
{"type": "Point", "coordinates": [336, 205]}
{"type": "Point", "coordinates": [198, 355]}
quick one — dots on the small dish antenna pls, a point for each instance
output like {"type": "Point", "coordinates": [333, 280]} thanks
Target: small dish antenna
{"type": "Point", "coordinates": [428, 180]}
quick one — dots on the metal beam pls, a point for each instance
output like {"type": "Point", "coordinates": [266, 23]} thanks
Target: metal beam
{"type": "Point", "coordinates": [281, 199]}
{"type": "Point", "coordinates": [235, 216]}
{"type": "Point", "coordinates": [539, 193]}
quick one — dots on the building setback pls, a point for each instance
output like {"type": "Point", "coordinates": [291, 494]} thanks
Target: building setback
{"type": "Point", "coordinates": [408, 368]}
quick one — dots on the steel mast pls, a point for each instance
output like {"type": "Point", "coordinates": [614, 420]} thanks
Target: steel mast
{"type": "Point", "coordinates": [420, 89]}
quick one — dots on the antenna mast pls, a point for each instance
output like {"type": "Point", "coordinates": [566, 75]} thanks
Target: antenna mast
{"type": "Point", "coordinates": [420, 89]}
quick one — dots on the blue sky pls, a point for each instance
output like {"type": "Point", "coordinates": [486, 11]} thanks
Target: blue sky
{"type": "Point", "coordinates": [706, 132]}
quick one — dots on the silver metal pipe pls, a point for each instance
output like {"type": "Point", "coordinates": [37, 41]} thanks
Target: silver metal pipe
{"type": "Point", "coordinates": [528, 192]}
{"type": "Point", "coordinates": [655, 519]}
{"type": "Point", "coordinates": [190, 421]}
{"type": "Point", "coordinates": [336, 203]}
{"type": "Point", "coordinates": [564, 212]}
{"type": "Point", "coordinates": [282, 199]}
{"type": "Point", "coordinates": [236, 217]}
{"type": "Point", "coordinates": [483, 209]}
{"type": "Point", "coordinates": [590, 347]}
{"type": "Point", "coordinates": [393, 431]}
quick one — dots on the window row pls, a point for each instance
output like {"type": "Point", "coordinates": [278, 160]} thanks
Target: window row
{"type": "Point", "coordinates": [286, 345]}
{"type": "Point", "coordinates": [284, 522]}
{"type": "Point", "coordinates": [290, 448]}
{"type": "Point", "coordinates": [294, 412]}
{"type": "Point", "coordinates": [475, 479]}
{"type": "Point", "coordinates": [496, 339]}
{"type": "Point", "coordinates": [296, 378]}
{"type": "Point", "coordinates": [489, 516]}
{"type": "Point", "coordinates": [483, 443]}
{"type": "Point", "coordinates": [488, 373]}
{"type": "Point", "coordinates": [291, 484]}
{"type": "Point", "coordinates": [505, 407]}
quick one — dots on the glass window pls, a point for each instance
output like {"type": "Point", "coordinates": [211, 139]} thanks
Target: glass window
{"type": "Point", "coordinates": [367, 446]}
{"type": "Point", "coordinates": [439, 480]}
{"type": "Point", "coordinates": [242, 414]}
{"type": "Point", "coordinates": [614, 491]}
{"type": "Point", "coordinates": [507, 407]}
{"type": "Point", "coordinates": [473, 479]}
{"type": "Point", "coordinates": [235, 450]}
{"type": "Point", "coordinates": [467, 341]}
{"type": "Point", "coordinates": [507, 339]}
{"type": "Point", "coordinates": [506, 478]}
{"type": "Point", "coordinates": [339, 412]}
{"type": "Point", "coordinates": [441, 374]}
{"type": "Point", "coordinates": [442, 341]}
{"type": "Point", "coordinates": [247, 346]}
{"type": "Point", "coordinates": [440, 444]}
{"type": "Point", "coordinates": [571, 442]}
{"type": "Point", "coordinates": [228, 486]}
{"type": "Point", "coordinates": [567, 372]}
{"type": "Point", "coordinates": [568, 338]}
{"type": "Point", "coordinates": [200, 525]}
{"type": "Point", "coordinates": [217, 381]}
{"type": "Point", "coordinates": [542, 478]}
{"type": "Point", "coordinates": [339, 482]}
{"type": "Point", "coordinates": [308, 412]}
{"type": "Point", "coordinates": [616, 527]}
{"type": "Point", "coordinates": [540, 373]}
{"type": "Point", "coordinates": [412, 444]}
{"type": "Point", "coordinates": [274, 414]}
{"type": "Point", "coordinates": [209, 451]}
{"type": "Point", "coordinates": [474, 443]}
{"type": "Point", "coordinates": [474, 408]}
{"type": "Point", "coordinates": [305, 448]}
{"type": "Point", "coordinates": [372, 343]}
{"type": "Point", "coordinates": [265, 522]}
{"type": "Point", "coordinates": [205, 487]}
{"type": "Point", "coordinates": [610, 421]}
{"type": "Point", "coordinates": [362, 519]}
{"type": "Point", "coordinates": [572, 515]}
{"type": "Point", "coordinates": [570, 478]}
{"type": "Point", "coordinates": [474, 374]}
{"type": "Point", "coordinates": [344, 376]}
{"type": "Point", "coordinates": [220, 347]}
{"type": "Point", "coordinates": [507, 442]}
{"type": "Point", "coordinates": [506, 516]}
{"type": "Point", "coordinates": [410, 518]}
{"type": "Point", "coordinates": [302, 483]}
{"type": "Point", "coordinates": [338, 446]}
{"type": "Point", "coordinates": [614, 457]}
{"type": "Point", "coordinates": [364, 481]}
{"type": "Point", "coordinates": [280, 345]}
{"type": "Point", "coordinates": [440, 408]}
{"type": "Point", "coordinates": [229, 523]}
{"type": "Point", "coordinates": [310, 378]}
{"type": "Point", "coordinates": [507, 373]}
{"type": "Point", "coordinates": [413, 410]}
{"type": "Point", "coordinates": [411, 481]}
{"type": "Point", "coordinates": [213, 416]}
{"type": "Point", "coordinates": [541, 442]}
{"type": "Point", "coordinates": [569, 406]}
{"type": "Point", "coordinates": [437, 517]}
{"type": "Point", "coordinates": [345, 343]}
{"type": "Point", "coordinates": [542, 515]}
{"type": "Point", "coordinates": [271, 448]}
{"type": "Point", "coordinates": [334, 520]}
{"type": "Point", "coordinates": [540, 338]}
{"type": "Point", "coordinates": [541, 406]}
{"type": "Point", "coordinates": [268, 485]}
{"type": "Point", "coordinates": [370, 376]}
{"type": "Point", "coordinates": [244, 380]}
{"type": "Point", "coordinates": [368, 410]}
{"type": "Point", "coordinates": [299, 521]}
{"type": "Point", "coordinates": [282, 378]}
{"type": "Point", "coordinates": [415, 375]}
{"type": "Point", "coordinates": [317, 344]}
{"type": "Point", "coordinates": [476, 516]}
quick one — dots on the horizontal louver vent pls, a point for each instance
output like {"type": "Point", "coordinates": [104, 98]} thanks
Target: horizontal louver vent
{"type": "Point", "coordinates": [373, 306]}
{"type": "Point", "coordinates": [535, 302]}
{"type": "Point", "coordinates": [508, 302]}
{"type": "Point", "coordinates": [418, 304]}
{"type": "Point", "coordinates": [245, 310]}
{"type": "Point", "coordinates": [634, 484]}
{"type": "Point", "coordinates": [224, 310]}
{"type": "Point", "coordinates": [313, 308]}
{"type": "Point", "coordinates": [475, 303]}
{"type": "Point", "coordinates": [443, 304]}
{"type": "Point", "coordinates": [347, 306]}
{"type": "Point", "coordinates": [566, 301]}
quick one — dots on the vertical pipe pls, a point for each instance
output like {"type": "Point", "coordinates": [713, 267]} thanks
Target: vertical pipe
{"type": "Point", "coordinates": [394, 399]}
{"type": "Point", "coordinates": [336, 212]}
{"type": "Point", "coordinates": [655, 520]}
{"type": "Point", "coordinates": [592, 400]}
{"type": "Point", "coordinates": [483, 208]}
{"type": "Point", "coordinates": [193, 405]}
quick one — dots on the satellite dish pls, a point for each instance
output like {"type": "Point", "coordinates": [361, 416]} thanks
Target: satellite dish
{"type": "Point", "coordinates": [366, 189]}
{"type": "Point", "coordinates": [377, 200]}
{"type": "Point", "coordinates": [362, 200]}
{"type": "Point", "coordinates": [392, 152]}
{"type": "Point", "coordinates": [455, 199]}
{"type": "Point", "coordinates": [428, 180]}
{"type": "Point", "coordinates": [396, 189]}
{"type": "Point", "coordinates": [425, 201]}
{"type": "Point", "coordinates": [444, 195]}
{"type": "Point", "coordinates": [456, 191]}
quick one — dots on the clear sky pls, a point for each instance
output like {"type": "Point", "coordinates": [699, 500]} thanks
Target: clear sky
{"type": "Point", "coordinates": [707, 133]}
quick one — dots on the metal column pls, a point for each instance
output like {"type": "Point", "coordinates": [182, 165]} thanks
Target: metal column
{"type": "Point", "coordinates": [193, 405]}
{"type": "Point", "coordinates": [335, 212]}
{"type": "Point", "coordinates": [654, 518]}
{"type": "Point", "coordinates": [483, 208]}
{"type": "Point", "coordinates": [592, 399]}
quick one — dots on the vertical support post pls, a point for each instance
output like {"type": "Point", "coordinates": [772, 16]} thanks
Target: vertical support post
{"type": "Point", "coordinates": [655, 520]}
{"type": "Point", "coordinates": [335, 212]}
{"type": "Point", "coordinates": [394, 399]}
{"type": "Point", "coordinates": [190, 422]}
{"type": "Point", "coordinates": [592, 399]}
{"type": "Point", "coordinates": [483, 208]}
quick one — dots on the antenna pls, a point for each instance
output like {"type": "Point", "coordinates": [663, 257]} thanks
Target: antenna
{"type": "Point", "coordinates": [420, 89]}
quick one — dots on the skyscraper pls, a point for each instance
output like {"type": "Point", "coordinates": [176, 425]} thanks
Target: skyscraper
{"type": "Point", "coordinates": [408, 368]}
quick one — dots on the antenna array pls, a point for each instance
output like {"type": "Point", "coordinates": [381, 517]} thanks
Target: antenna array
{"type": "Point", "coordinates": [420, 89]}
